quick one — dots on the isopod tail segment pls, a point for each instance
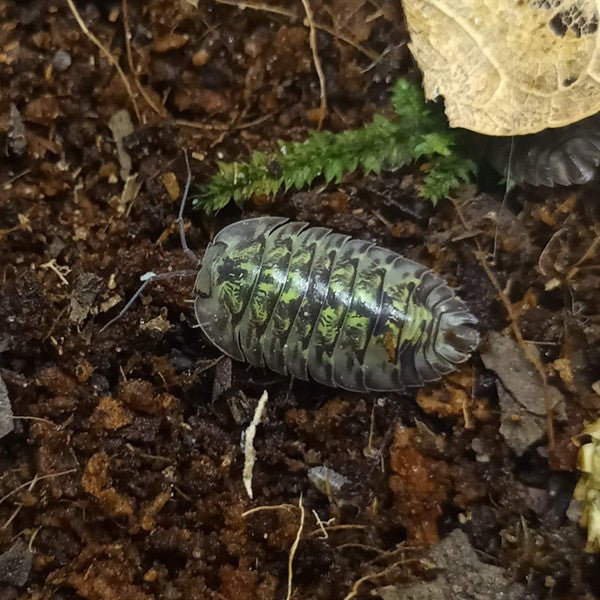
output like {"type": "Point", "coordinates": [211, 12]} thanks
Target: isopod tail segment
{"type": "Point", "coordinates": [151, 277]}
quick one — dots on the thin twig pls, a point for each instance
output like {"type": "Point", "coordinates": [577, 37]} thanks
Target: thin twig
{"type": "Point", "coordinates": [272, 507]}
{"type": "Point", "coordinates": [159, 110]}
{"type": "Point", "coordinates": [370, 54]}
{"type": "Point", "coordinates": [586, 255]}
{"type": "Point", "coordinates": [32, 539]}
{"type": "Point", "coordinates": [196, 125]}
{"type": "Point", "coordinates": [368, 451]}
{"type": "Point", "coordinates": [13, 516]}
{"type": "Point", "coordinates": [39, 419]}
{"type": "Point", "coordinates": [365, 547]}
{"type": "Point", "coordinates": [293, 551]}
{"type": "Point", "coordinates": [317, 62]}
{"type": "Point", "coordinates": [329, 528]}
{"type": "Point", "coordinates": [514, 324]}
{"type": "Point", "coordinates": [18, 176]}
{"type": "Point", "coordinates": [320, 524]}
{"type": "Point", "coordinates": [33, 481]}
{"type": "Point", "coordinates": [56, 321]}
{"type": "Point", "coordinates": [208, 367]}
{"type": "Point", "coordinates": [235, 116]}
{"type": "Point", "coordinates": [106, 52]}
{"type": "Point", "coordinates": [355, 588]}
{"type": "Point", "coordinates": [234, 126]}
{"type": "Point", "coordinates": [531, 356]}
{"type": "Point", "coordinates": [253, 122]}
{"type": "Point", "coordinates": [260, 6]}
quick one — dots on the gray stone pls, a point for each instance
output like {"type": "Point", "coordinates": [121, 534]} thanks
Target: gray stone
{"type": "Point", "coordinates": [6, 413]}
{"type": "Point", "coordinates": [61, 61]}
{"type": "Point", "coordinates": [15, 565]}
{"type": "Point", "coordinates": [460, 575]}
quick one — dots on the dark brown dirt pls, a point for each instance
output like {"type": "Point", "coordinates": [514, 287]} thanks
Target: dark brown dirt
{"type": "Point", "coordinates": [125, 474]}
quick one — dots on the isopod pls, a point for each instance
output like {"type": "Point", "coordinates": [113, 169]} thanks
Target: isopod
{"type": "Point", "coordinates": [307, 302]}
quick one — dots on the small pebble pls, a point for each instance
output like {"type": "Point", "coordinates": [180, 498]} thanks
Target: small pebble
{"type": "Point", "coordinates": [15, 565]}
{"type": "Point", "coordinates": [61, 61]}
{"type": "Point", "coordinates": [6, 413]}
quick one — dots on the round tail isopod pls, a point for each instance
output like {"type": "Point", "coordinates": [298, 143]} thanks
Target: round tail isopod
{"type": "Point", "coordinates": [310, 303]}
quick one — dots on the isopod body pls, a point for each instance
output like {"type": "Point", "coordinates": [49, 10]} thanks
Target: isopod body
{"type": "Point", "coordinates": [310, 303]}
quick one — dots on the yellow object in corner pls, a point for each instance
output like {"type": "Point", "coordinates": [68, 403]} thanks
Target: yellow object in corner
{"type": "Point", "coordinates": [587, 490]}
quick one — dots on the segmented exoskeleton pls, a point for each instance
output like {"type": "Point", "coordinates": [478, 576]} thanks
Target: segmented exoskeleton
{"type": "Point", "coordinates": [315, 304]}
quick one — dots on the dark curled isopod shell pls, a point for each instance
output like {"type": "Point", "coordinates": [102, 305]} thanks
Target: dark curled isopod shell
{"type": "Point", "coordinates": [563, 156]}
{"type": "Point", "coordinates": [310, 303]}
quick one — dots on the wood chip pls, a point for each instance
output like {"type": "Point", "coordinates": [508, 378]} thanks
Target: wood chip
{"type": "Point", "coordinates": [171, 41]}
{"type": "Point", "coordinates": [120, 125]}
{"type": "Point", "coordinates": [169, 181]}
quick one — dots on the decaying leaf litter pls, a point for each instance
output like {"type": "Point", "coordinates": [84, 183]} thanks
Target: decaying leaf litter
{"type": "Point", "coordinates": [501, 70]}
{"type": "Point", "coordinates": [123, 474]}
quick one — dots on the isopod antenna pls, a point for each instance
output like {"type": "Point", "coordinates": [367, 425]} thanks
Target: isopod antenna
{"type": "Point", "coordinates": [151, 277]}
{"type": "Point", "coordinates": [180, 222]}
{"type": "Point", "coordinates": [147, 279]}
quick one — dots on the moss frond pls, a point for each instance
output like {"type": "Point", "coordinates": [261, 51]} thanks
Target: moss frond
{"type": "Point", "coordinates": [417, 133]}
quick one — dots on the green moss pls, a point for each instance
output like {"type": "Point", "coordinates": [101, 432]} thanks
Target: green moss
{"type": "Point", "coordinates": [418, 133]}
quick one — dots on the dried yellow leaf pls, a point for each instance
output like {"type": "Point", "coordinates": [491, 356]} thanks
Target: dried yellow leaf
{"type": "Point", "coordinates": [508, 67]}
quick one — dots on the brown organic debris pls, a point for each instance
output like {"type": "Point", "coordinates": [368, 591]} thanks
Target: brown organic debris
{"type": "Point", "coordinates": [43, 110]}
{"type": "Point", "coordinates": [453, 398]}
{"type": "Point", "coordinates": [96, 481]}
{"type": "Point", "coordinates": [170, 41]}
{"type": "Point", "coordinates": [110, 414]}
{"type": "Point", "coordinates": [102, 572]}
{"type": "Point", "coordinates": [148, 518]}
{"type": "Point", "coordinates": [419, 485]}
{"type": "Point", "coordinates": [139, 395]}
